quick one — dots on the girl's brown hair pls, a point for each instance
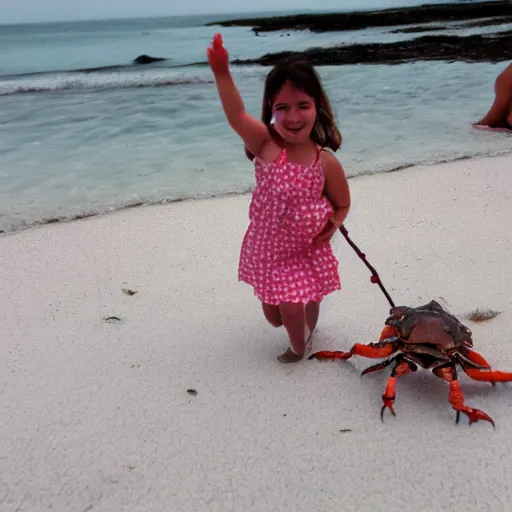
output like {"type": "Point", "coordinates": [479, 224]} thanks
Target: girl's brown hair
{"type": "Point", "coordinates": [303, 76]}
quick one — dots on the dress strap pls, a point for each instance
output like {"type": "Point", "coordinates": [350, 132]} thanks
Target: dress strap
{"type": "Point", "coordinates": [283, 155]}
{"type": "Point", "coordinates": [319, 150]}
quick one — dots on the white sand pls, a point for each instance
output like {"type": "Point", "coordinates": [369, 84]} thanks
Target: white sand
{"type": "Point", "coordinates": [96, 416]}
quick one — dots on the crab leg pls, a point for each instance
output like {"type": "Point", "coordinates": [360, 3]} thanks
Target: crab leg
{"type": "Point", "coordinates": [456, 396]}
{"type": "Point", "coordinates": [373, 350]}
{"type": "Point", "coordinates": [477, 358]}
{"type": "Point", "coordinates": [402, 367]}
{"type": "Point", "coordinates": [326, 354]}
{"type": "Point", "coordinates": [377, 367]}
{"type": "Point", "coordinates": [488, 375]}
{"type": "Point", "coordinates": [484, 371]}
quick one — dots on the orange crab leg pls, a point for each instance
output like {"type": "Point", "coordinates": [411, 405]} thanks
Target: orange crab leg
{"type": "Point", "coordinates": [375, 352]}
{"type": "Point", "coordinates": [476, 358]}
{"type": "Point", "coordinates": [456, 397]}
{"type": "Point", "coordinates": [488, 375]}
{"type": "Point", "coordinates": [389, 395]}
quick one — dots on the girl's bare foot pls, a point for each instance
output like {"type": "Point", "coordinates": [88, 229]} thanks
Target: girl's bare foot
{"type": "Point", "coordinates": [289, 356]}
{"type": "Point", "coordinates": [300, 321]}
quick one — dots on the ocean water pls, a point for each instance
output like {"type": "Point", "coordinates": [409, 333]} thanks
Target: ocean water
{"type": "Point", "coordinates": [75, 140]}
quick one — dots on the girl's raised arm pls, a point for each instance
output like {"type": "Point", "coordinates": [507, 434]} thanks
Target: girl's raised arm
{"type": "Point", "coordinates": [253, 132]}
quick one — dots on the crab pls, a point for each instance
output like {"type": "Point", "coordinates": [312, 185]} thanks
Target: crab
{"type": "Point", "coordinates": [432, 338]}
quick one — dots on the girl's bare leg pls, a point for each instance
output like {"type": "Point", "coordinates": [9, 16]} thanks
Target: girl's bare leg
{"type": "Point", "coordinates": [272, 314]}
{"type": "Point", "coordinates": [312, 313]}
{"type": "Point", "coordinates": [294, 321]}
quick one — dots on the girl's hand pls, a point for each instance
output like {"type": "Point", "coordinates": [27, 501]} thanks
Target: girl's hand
{"type": "Point", "coordinates": [218, 57]}
{"type": "Point", "coordinates": [333, 224]}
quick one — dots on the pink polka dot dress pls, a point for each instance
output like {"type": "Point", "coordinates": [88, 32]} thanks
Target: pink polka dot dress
{"type": "Point", "coordinates": [286, 213]}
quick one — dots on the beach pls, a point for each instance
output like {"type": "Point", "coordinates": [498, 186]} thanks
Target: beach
{"type": "Point", "coordinates": [177, 402]}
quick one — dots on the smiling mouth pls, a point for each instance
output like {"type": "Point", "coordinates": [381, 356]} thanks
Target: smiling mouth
{"type": "Point", "coordinates": [294, 130]}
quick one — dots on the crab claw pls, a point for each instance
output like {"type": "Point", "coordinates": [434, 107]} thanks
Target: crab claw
{"type": "Point", "coordinates": [325, 354]}
{"type": "Point", "coordinates": [473, 414]}
{"type": "Point", "coordinates": [389, 397]}
{"type": "Point", "coordinates": [388, 404]}
{"type": "Point", "coordinates": [456, 399]}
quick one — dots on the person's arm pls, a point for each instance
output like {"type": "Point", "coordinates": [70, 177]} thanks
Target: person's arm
{"type": "Point", "coordinates": [336, 189]}
{"type": "Point", "coordinates": [338, 193]}
{"type": "Point", "coordinates": [253, 132]}
{"type": "Point", "coordinates": [503, 96]}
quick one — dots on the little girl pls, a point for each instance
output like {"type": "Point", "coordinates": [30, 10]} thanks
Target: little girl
{"type": "Point", "coordinates": [301, 196]}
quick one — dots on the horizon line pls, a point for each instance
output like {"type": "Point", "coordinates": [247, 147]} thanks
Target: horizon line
{"type": "Point", "coordinates": [229, 13]}
{"type": "Point", "coordinates": [156, 16]}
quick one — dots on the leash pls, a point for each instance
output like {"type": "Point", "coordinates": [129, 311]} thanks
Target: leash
{"type": "Point", "coordinates": [375, 276]}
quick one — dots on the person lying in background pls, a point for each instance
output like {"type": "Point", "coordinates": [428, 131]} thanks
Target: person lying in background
{"type": "Point", "coordinates": [499, 117]}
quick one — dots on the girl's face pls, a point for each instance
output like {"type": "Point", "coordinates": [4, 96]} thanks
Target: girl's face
{"type": "Point", "coordinates": [293, 114]}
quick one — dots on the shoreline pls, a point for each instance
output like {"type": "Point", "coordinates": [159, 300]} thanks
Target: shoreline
{"type": "Point", "coordinates": [181, 400]}
{"type": "Point", "coordinates": [47, 220]}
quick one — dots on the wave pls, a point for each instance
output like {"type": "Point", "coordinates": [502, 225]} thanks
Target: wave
{"type": "Point", "coordinates": [95, 212]}
{"type": "Point", "coordinates": [165, 64]}
{"type": "Point", "coordinates": [79, 81]}
{"type": "Point", "coordinates": [143, 71]}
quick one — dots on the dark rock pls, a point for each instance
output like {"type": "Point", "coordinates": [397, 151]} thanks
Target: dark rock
{"type": "Point", "coordinates": [459, 26]}
{"type": "Point", "coordinates": [488, 22]}
{"type": "Point", "coordinates": [146, 59]}
{"type": "Point", "coordinates": [337, 21]}
{"type": "Point", "coordinates": [475, 48]}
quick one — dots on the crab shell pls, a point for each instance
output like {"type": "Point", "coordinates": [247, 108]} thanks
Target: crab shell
{"type": "Point", "coordinates": [429, 324]}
